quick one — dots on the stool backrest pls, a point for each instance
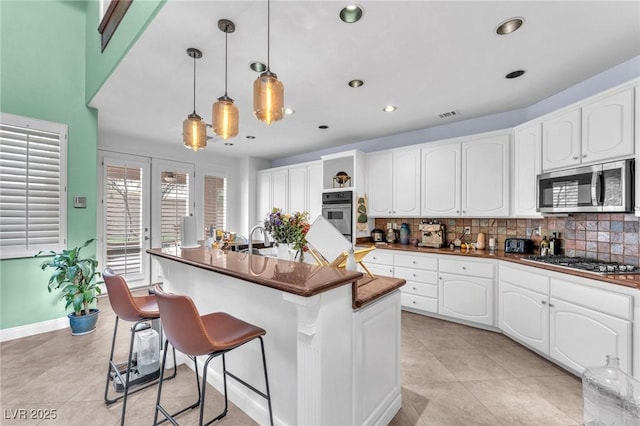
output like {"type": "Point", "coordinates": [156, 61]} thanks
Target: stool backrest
{"type": "Point", "coordinates": [120, 297]}
{"type": "Point", "coordinates": [182, 324]}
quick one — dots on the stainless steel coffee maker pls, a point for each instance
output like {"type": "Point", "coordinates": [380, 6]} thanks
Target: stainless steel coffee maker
{"type": "Point", "coordinates": [433, 234]}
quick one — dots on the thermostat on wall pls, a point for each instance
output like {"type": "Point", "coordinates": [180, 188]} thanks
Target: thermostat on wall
{"type": "Point", "coordinates": [80, 202]}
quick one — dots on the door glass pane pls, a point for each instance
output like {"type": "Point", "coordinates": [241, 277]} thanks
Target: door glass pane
{"type": "Point", "coordinates": [215, 203]}
{"type": "Point", "coordinates": [174, 205]}
{"type": "Point", "coordinates": [123, 216]}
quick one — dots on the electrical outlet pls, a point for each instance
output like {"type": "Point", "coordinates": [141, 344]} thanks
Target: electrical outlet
{"type": "Point", "coordinates": [467, 230]}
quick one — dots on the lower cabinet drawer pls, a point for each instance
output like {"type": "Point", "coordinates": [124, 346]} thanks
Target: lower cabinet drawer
{"type": "Point", "coordinates": [421, 303]}
{"type": "Point", "coordinates": [420, 289]}
{"type": "Point", "coordinates": [411, 274]}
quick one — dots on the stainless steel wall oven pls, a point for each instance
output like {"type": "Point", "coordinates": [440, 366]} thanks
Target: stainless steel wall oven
{"type": "Point", "coordinates": [337, 208]}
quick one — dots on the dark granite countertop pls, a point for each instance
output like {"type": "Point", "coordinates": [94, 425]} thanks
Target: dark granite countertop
{"type": "Point", "coordinates": [298, 278]}
{"type": "Point", "coordinates": [630, 280]}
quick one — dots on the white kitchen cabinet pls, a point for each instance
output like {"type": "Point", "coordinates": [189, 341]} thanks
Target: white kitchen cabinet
{"type": "Point", "coordinates": [637, 144]}
{"type": "Point", "coordinates": [523, 306]}
{"type": "Point", "coordinates": [561, 140]}
{"type": "Point", "coordinates": [601, 129]}
{"type": "Point", "coordinates": [298, 189]}
{"type": "Point", "coordinates": [441, 180]}
{"type": "Point", "coordinates": [263, 189]}
{"type": "Point", "coordinates": [608, 127]}
{"type": "Point", "coordinates": [393, 179]}
{"type": "Point", "coordinates": [485, 176]}
{"type": "Point", "coordinates": [314, 190]}
{"type": "Point", "coordinates": [293, 189]}
{"type": "Point", "coordinates": [469, 178]}
{"type": "Point", "coordinates": [420, 293]}
{"type": "Point", "coordinates": [587, 324]}
{"type": "Point", "coordinates": [527, 165]}
{"type": "Point", "coordinates": [466, 290]}
{"type": "Point", "coordinates": [379, 262]}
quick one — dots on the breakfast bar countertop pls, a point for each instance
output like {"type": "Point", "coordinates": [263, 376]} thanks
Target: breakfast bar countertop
{"type": "Point", "coordinates": [628, 280]}
{"type": "Point", "coordinates": [299, 278]}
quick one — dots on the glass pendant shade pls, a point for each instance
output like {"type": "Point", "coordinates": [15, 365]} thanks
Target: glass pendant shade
{"type": "Point", "coordinates": [225, 118]}
{"type": "Point", "coordinates": [268, 98]}
{"type": "Point", "coordinates": [194, 132]}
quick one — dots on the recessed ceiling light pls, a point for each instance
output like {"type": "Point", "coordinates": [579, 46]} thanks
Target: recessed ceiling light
{"type": "Point", "coordinates": [228, 143]}
{"type": "Point", "coordinates": [514, 74]}
{"type": "Point", "coordinates": [250, 137]}
{"type": "Point", "coordinates": [323, 127]}
{"type": "Point", "coordinates": [356, 83]}
{"type": "Point", "coordinates": [389, 108]}
{"type": "Point", "coordinates": [257, 66]}
{"type": "Point", "coordinates": [351, 13]}
{"type": "Point", "coordinates": [509, 26]}
{"type": "Point", "coordinates": [289, 111]}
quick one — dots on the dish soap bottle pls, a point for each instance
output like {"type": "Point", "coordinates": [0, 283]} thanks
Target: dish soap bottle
{"type": "Point", "coordinates": [544, 246]}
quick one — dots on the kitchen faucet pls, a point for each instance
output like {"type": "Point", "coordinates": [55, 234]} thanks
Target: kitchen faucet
{"type": "Point", "coordinates": [264, 233]}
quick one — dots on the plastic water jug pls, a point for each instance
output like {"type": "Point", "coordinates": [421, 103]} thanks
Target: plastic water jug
{"type": "Point", "coordinates": [148, 356]}
{"type": "Point", "coordinates": [610, 396]}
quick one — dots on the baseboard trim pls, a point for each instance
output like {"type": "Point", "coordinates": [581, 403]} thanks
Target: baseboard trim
{"type": "Point", "coordinates": [33, 329]}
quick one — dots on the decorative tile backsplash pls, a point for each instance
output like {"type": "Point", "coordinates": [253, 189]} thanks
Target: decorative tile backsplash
{"type": "Point", "coordinates": [603, 236]}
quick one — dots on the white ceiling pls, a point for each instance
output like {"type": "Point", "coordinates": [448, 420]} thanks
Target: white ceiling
{"type": "Point", "coordinates": [425, 57]}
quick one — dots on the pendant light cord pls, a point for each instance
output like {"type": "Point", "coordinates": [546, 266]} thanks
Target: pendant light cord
{"type": "Point", "coordinates": [194, 84]}
{"type": "Point", "coordinates": [226, 59]}
{"type": "Point", "coordinates": [268, 33]}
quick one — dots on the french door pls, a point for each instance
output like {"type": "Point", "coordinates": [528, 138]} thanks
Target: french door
{"type": "Point", "coordinates": [124, 217]}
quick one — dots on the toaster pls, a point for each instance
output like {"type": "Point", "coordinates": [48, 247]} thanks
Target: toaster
{"type": "Point", "coordinates": [518, 245]}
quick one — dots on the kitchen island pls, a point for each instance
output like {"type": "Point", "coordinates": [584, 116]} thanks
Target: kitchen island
{"type": "Point", "coordinates": [332, 342]}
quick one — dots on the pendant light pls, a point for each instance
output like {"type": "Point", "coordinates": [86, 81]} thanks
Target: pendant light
{"type": "Point", "coordinates": [225, 113]}
{"type": "Point", "coordinates": [194, 130]}
{"type": "Point", "coordinates": [268, 91]}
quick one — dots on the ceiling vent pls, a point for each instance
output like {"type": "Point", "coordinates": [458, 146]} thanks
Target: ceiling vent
{"type": "Point", "coordinates": [448, 114]}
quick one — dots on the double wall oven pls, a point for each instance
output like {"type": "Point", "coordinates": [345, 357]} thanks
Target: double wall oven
{"type": "Point", "coordinates": [337, 208]}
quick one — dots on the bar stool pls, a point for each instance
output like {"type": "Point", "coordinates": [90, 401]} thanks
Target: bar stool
{"type": "Point", "coordinates": [138, 309]}
{"type": "Point", "coordinates": [213, 335]}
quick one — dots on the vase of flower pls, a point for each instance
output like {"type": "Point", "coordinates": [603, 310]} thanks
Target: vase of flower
{"type": "Point", "coordinates": [286, 251]}
{"type": "Point", "coordinates": [289, 232]}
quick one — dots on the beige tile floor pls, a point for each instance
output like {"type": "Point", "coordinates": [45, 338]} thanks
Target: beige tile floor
{"type": "Point", "coordinates": [451, 375]}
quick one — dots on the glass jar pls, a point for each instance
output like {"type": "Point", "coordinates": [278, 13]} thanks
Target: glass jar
{"type": "Point", "coordinates": [610, 396]}
{"type": "Point", "coordinates": [404, 233]}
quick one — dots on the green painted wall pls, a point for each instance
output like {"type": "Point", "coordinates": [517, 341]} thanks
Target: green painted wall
{"type": "Point", "coordinates": [42, 76]}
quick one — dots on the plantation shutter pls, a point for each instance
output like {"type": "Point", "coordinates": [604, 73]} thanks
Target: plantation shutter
{"type": "Point", "coordinates": [123, 219]}
{"type": "Point", "coordinates": [215, 202]}
{"type": "Point", "coordinates": [32, 186]}
{"type": "Point", "coordinates": [174, 205]}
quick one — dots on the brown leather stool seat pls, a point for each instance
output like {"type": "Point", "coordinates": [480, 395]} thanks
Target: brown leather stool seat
{"type": "Point", "coordinates": [136, 309]}
{"type": "Point", "coordinates": [212, 334]}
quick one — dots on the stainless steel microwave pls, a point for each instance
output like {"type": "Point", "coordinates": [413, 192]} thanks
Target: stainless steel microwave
{"type": "Point", "coordinates": [606, 187]}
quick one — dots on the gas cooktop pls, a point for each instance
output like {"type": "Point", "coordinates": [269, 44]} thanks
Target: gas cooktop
{"type": "Point", "coordinates": [584, 264]}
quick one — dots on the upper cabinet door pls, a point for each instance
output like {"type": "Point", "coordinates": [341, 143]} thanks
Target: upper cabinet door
{"type": "Point", "coordinates": [280, 189]}
{"type": "Point", "coordinates": [314, 185]}
{"type": "Point", "coordinates": [441, 180]}
{"type": "Point", "coordinates": [406, 183]}
{"type": "Point", "coordinates": [298, 191]}
{"type": "Point", "coordinates": [264, 195]}
{"type": "Point", "coordinates": [607, 127]}
{"type": "Point", "coordinates": [561, 141]}
{"type": "Point", "coordinates": [485, 177]}
{"type": "Point", "coordinates": [379, 181]}
{"type": "Point", "coordinates": [527, 166]}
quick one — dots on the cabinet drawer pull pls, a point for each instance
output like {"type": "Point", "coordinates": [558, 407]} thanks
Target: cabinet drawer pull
{"type": "Point", "coordinates": [574, 158]}
{"type": "Point", "coordinates": [464, 267]}
{"type": "Point", "coordinates": [551, 305]}
{"type": "Point", "coordinates": [584, 156]}
{"type": "Point", "coordinates": [414, 262]}
{"type": "Point", "coordinates": [544, 302]}
{"type": "Point", "coordinates": [414, 275]}
{"type": "Point", "coordinates": [414, 289]}
{"type": "Point", "coordinates": [414, 302]}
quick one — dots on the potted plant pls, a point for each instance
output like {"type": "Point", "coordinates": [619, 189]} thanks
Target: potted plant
{"type": "Point", "coordinates": [75, 277]}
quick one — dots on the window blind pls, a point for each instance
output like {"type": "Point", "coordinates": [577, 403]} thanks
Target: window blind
{"type": "Point", "coordinates": [215, 203]}
{"type": "Point", "coordinates": [174, 205]}
{"type": "Point", "coordinates": [124, 233]}
{"type": "Point", "coordinates": [32, 186]}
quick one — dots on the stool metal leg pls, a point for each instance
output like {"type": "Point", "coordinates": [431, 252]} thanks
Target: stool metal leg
{"type": "Point", "coordinates": [113, 367]}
